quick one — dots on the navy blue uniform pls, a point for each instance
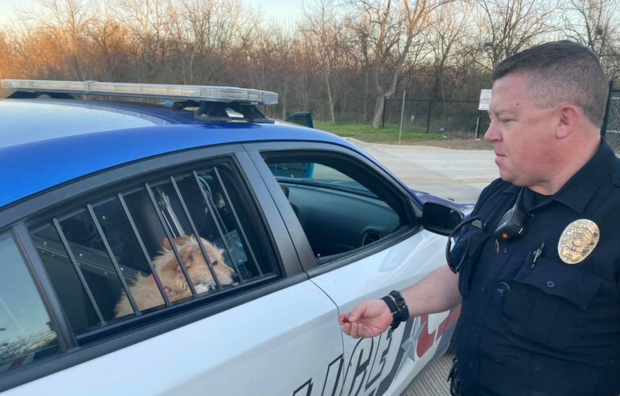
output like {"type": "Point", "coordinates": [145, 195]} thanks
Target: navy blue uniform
{"type": "Point", "coordinates": [543, 328]}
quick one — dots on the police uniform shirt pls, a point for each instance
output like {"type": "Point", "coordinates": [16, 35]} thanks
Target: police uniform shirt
{"type": "Point", "coordinates": [543, 327]}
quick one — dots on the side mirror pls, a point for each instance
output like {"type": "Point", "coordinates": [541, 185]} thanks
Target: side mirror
{"type": "Point", "coordinates": [301, 118]}
{"type": "Point", "coordinates": [440, 218]}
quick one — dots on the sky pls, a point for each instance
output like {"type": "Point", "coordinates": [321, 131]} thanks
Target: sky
{"type": "Point", "coordinates": [275, 10]}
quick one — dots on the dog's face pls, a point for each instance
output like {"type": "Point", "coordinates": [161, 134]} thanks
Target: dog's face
{"type": "Point", "coordinates": [170, 272]}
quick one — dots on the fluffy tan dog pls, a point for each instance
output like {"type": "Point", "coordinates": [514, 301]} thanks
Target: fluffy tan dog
{"type": "Point", "coordinates": [145, 290]}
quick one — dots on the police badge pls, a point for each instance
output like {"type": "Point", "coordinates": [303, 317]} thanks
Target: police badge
{"type": "Point", "coordinates": [578, 240]}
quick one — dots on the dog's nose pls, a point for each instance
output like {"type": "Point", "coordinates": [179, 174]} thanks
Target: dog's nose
{"type": "Point", "coordinates": [235, 278]}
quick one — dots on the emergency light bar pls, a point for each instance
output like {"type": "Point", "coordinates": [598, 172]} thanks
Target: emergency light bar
{"type": "Point", "coordinates": [160, 91]}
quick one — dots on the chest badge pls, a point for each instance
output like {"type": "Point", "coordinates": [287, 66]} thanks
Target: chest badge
{"type": "Point", "coordinates": [578, 240]}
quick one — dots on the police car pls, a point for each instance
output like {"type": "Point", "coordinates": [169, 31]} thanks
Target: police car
{"type": "Point", "coordinates": [197, 247]}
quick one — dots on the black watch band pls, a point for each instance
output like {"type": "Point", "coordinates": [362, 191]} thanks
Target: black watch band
{"type": "Point", "coordinates": [394, 310]}
{"type": "Point", "coordinates": [402, 305]}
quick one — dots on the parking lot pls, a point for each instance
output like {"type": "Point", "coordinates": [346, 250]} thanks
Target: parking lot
{"type": "Point", "coordinates": [458, 175]}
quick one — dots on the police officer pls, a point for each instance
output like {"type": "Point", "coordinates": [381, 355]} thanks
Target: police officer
{"type": "Point", "coordinates": [539, 259]}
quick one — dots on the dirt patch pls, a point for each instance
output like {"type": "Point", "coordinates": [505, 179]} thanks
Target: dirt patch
{"type": "Point", "coordinates": [456, 144]}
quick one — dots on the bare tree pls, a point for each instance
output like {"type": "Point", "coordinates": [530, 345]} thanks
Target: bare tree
{"type": "Point", "coordinates": [31, 55]}
{"type": "Point", "coordinates": [28, 344]}
{"type": "Point", "coordinates": [6, 56]}
{"type": "Point", "coordinates": [360, 51]}
{"type": "Point", "coordinates": [109, 52]}
{"type": "Point", "coordinates": [205, 36]}
{"type": "Point", "coordinates": [445, 35]}
{"type": "Point", "coordinates": [595, 24]}
{"type": "Point", "coordinates": [67, 25]}
{"type": "Point", "coordinates": [148, 25]}
{"type": "Point", "coordinates": [342, 60]}
{"type": "Point", "coordinates": [277, 63]}
{"type": "Point", "coordinates": [323, 27]}
{"type": "Point", "coordinates": [509, 26]}
{"type": "Point", "coordinates": [394, 27]}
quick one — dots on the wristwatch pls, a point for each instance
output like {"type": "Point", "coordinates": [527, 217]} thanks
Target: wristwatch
{"type": "Point", "coordinates": [396, 314]}
{"type": "Point", "coordinates": [402, 305]}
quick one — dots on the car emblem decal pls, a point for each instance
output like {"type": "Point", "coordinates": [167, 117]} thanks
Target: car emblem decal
{"type": "Point", "coordinates": [578, 240]}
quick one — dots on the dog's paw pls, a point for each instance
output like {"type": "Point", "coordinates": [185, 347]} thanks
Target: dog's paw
{"type": "Point", "coordinates": [203, 288]}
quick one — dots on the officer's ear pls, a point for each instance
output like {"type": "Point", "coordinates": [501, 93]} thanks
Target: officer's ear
{"type": "Point", "coordinates": [568, 117]}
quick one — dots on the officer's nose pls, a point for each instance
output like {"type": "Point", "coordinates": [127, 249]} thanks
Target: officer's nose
{"type": "Point", "coordinates": [492, 134]}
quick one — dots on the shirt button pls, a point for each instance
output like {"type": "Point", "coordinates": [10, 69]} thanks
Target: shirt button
{"type": "Point", "coordinates": [470, 365]}
{"type": "Point", "coordinates": [505, 250]}
{"type": "Point", "coordinates": [530, 215]}
{"type": "Point", "coordinates": [503, 289]}
{"type": "Point", "coordinates": [550, 284]}
{"type": "Point", "coordinates": [483, 289]}
{"type": "Point", "coordinates": [474, 328]}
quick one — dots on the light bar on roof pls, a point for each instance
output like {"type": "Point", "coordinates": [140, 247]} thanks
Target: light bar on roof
{"type": "Point", "coordinates": [159, 91]}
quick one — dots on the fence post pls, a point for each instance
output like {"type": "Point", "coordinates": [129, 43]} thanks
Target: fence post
{"type": "Point", "coordinates": [606, 118]}
{"type": "Point", "coordinates": [402, 114]}
{"type": "Point", "coordinates": [384, 106]}
{"type": "Point", "coordinates": [428, 121]}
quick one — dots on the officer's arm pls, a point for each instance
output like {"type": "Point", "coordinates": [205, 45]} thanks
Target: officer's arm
{"type": "Point", "coordinates": [437, 292]}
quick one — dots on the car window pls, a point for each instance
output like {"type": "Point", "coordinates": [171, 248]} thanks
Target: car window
{"type": "Point", "coordinates": [315, 173]}
{"type": "Point", "coordinates": [182, 236]}
{"type": "Point", "coordinates": [341, 204]}
{"type": "Point", "coordinates": [26, 333]}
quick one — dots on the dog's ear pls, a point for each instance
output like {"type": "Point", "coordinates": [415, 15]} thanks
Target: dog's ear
{"type": "Point", "coordinates": [188, 256]}
{"type": "Point", "coordinates": [165, 242]}
{"type": "Point", "coordinates": [182, 240]}
{"type": "Point", "coordinates": [173, 264]}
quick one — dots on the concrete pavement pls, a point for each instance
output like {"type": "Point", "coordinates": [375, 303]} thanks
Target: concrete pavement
{"type": "Point", "coordinates": [458, 175]}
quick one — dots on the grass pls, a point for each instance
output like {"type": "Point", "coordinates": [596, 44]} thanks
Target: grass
{"type": "Point", "coordinates": [389, 134]}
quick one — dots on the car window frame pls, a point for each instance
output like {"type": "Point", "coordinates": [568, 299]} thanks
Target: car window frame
{"type": "Point", "coordinates": [18, 219]}
{"type": "Point", "coordinates": [308, 260]}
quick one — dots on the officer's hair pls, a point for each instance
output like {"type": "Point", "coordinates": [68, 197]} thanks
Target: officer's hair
{"type": "Point", "coordinates": [561, 72]}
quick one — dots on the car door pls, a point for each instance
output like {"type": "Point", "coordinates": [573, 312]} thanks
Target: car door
{"type": "Point", "coordinates": [358, 236]}
{"type": "Point", "coordinates": [272, 333]}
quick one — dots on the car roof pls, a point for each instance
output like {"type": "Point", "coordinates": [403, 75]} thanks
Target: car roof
{"type": "Point", "coordinates": [45, 143]}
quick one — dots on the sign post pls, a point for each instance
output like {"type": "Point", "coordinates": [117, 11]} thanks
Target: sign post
{"type": "Point", "coordinates": [485, 99]}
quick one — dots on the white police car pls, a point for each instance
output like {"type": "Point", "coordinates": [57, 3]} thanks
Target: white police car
{"type": "Point", "coordinates": [276, 229]}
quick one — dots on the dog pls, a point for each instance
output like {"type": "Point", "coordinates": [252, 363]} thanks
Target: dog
{"type": "Point", "coordinates": [145, 291]}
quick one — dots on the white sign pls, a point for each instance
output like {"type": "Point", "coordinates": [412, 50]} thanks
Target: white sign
{"type": "Point", "coordinates": [485, 98]}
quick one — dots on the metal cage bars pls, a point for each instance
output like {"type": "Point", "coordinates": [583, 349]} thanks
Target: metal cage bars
{"type": "Point", "coordinates": [117, 268]}
{"type": "Point", "coordinates": [232, 208]}
{"type": "Point", "coordinates": [212, 211]}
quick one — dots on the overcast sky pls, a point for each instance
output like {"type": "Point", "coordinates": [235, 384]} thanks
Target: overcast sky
{"type": "Point", "coordinates": [278, 10]}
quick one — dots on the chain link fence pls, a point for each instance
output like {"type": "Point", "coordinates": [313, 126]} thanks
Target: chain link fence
{"type": "Point", "coordinates": [456, 118]}
{"type": "Point", "coordinates": [611, 131]}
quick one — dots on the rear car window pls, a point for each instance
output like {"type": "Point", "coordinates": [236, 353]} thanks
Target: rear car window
{"type": "Point", "coordinates": [26, 332]}
{"type": "Point", "coordinates": [188, 235]}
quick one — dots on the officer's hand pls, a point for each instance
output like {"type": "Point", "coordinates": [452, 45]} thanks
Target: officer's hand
{"type": "Point", "coordinates": [369, 319]}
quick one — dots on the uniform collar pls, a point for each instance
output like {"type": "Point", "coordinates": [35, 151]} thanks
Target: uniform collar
{"type": "Point", "coordinates": [580, 188]}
